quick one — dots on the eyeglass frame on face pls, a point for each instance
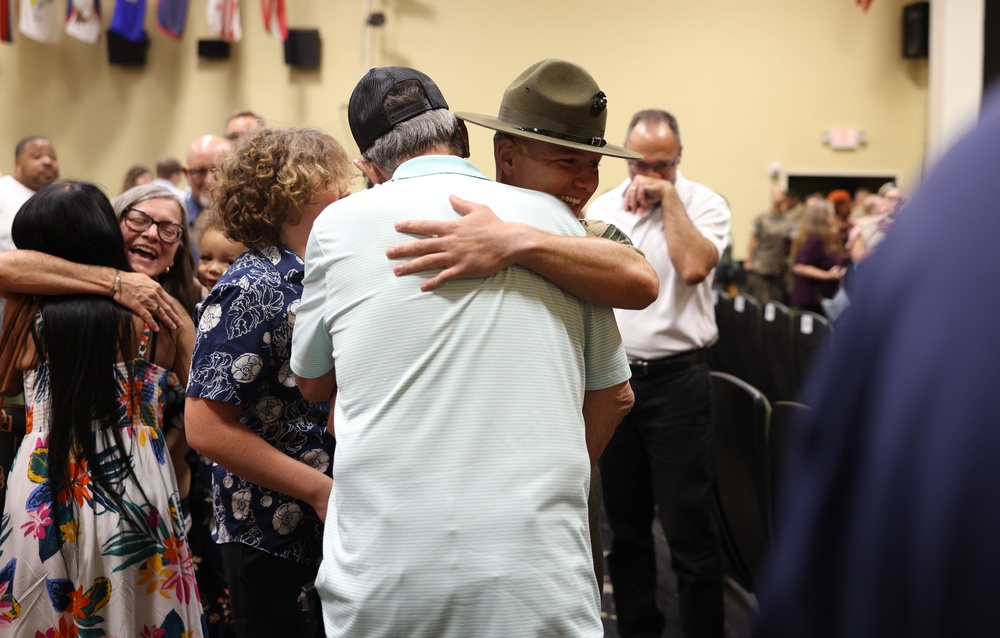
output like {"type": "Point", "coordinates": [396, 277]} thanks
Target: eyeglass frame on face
{"type": "Point", "coordinates": [152, 222]}
{"type": "Point", "coordinates": [656, 167]}
{"type": "Point", "coordinates": [200, 173]}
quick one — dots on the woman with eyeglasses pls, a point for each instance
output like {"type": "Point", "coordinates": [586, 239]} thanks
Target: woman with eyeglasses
{"type": "Point", "coordinates": [92, 541]}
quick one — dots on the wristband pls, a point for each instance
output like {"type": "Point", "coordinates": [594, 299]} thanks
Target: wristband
{"type": "Point", "coordinates": [117, 285]}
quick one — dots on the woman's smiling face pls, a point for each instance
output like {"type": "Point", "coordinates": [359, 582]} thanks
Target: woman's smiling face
{"type": "Point", "coordinates": [146, 252]}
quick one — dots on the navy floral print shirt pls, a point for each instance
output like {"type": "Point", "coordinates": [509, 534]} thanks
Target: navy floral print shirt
{"type": "Point", "coordinates": [241, 357]}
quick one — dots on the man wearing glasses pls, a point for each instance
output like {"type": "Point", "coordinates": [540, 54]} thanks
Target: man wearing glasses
{"type": "Point", "coordinates": [661, 453]}
{"type": "Point", "coordinates": [201, 161]}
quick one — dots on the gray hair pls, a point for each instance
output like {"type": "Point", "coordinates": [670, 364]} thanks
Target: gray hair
{"type": "Point", "coordinates": [655, 116]}
{"type": "Point", "coordinates": [146, 192]}
{"type": "Point", "coordinates": [415, 137]}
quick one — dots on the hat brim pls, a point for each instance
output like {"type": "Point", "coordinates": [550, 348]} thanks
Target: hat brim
{"type": "Point", "coordinates": [493, 123]}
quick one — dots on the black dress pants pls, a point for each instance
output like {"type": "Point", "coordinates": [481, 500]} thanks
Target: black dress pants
{"type": "Point", "coordinates": [264, 590]}
{"type": "Point", "coordinates": [661, 455]}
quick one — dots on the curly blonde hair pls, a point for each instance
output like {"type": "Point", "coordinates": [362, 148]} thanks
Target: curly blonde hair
{"type": "Point", "coordinates": [263, 183]}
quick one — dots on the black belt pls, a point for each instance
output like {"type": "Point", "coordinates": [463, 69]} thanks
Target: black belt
{"type": "Point", "coordinates": [642, 368]}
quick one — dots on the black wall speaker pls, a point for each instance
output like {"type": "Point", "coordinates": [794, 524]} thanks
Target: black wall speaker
{"type": "Point", "coordinates": [213, 49]}
{"type": "Point", "coordinates": [991, 43]}
{"type": "Point", "coordinates": [124, 52]}
{"type": "Point", "coordinates": [302, 48]}
{"type": "Point", "coordinates": [916, 29]}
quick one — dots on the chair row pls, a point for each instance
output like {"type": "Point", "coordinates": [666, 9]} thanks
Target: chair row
{"type": "Point", "coordinates": [767, 345]}
{"type": "Point", "coordinates": [751, 436]}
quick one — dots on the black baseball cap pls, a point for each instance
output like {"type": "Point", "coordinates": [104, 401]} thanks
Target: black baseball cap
{"type": "Point", "coordinates": [365, 112]}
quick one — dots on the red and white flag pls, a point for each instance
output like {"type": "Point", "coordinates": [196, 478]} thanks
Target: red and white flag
{"type": "Point", "coordinates": [83, 20]}
{"type": "Point", "coordinates": [274, 18]}
{"type": "Point", "coordinates": [40, 20]}
{"type": "Point", "coordinates": [224, 19]}
{"type": "Point", "coordinates": [6, 20]}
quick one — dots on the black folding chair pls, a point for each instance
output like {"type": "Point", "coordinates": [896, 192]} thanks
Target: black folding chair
{"type": "Point", "coordinates": [740, 415]}
{"type": "Point", "coordinates": [810, 333]}
{"type": "Point", "coordinates": [778, 369]}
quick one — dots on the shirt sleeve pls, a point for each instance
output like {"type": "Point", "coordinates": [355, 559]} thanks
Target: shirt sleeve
{"type": "Point", "coordinates": [597, 228]}
{"type": "Point", "coordinates": [312, 342]}
{"type": "Point", "coordinates": [233, 345]}
{"type": "Point", "coordinates": [713, 219]}
{"type": "Point", "coordinates": [604, 354]}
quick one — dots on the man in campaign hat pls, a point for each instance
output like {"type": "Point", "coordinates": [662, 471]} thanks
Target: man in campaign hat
{"type": "Point", "coordinates": [459, 506]}
{"type": "Point", "coordinates": [550, 138]}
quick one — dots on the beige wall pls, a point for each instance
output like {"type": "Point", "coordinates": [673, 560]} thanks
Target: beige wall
{"type": "Point", "coordinates": [752, 83]}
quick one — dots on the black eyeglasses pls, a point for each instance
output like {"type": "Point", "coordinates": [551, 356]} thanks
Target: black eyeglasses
{"type": "Point", "coordinates": [200, 173]}
{"type": "Point", "coordinates": [657, 167]}
{"type": "Point", "coordinates": [136, 220]}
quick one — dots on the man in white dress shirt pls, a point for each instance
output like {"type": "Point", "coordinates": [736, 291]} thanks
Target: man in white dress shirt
{"type": "Point", "coordinates": [661, 453]}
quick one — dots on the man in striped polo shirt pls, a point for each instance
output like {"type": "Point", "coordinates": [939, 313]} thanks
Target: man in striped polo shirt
{"type": "Point", "coordinates": [471, 415]}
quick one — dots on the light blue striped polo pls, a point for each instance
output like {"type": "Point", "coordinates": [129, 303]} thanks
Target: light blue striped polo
{"type": "Point", "coordinates": [461, 472]}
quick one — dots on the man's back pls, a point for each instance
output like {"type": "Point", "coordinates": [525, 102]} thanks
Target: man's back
{"type": "Point", "coordinates": [461, 475]}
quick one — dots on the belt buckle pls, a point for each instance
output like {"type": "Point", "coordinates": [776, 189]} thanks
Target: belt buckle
{"type": "Point", "coordinates": [643, 367]}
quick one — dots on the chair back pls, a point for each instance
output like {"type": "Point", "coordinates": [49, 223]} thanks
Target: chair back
{"type": "Point", "coordinates": [779, 370]}
{"type": "Point", "coordinates": [740, 415]}
{"type": "Point", "coordinates": [811, 332]}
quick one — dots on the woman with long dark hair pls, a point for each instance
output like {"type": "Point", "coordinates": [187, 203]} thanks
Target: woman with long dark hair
{"type": "Point", "coordinates": [92, 539]}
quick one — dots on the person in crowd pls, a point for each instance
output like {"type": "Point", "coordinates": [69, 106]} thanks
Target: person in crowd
{"type": "Point", "coordinates": [137, 176]}
{"type": "Point", "coordinates": [767, 256]}
{"type": "Point", "coordinates": [202, 159]}
{"type": "Point", "coordinates": [35, 167]}
{"type": "Point", "coordinates": [154, 246]}
{"type": "Point", "coordinates": [566, 167]}
{"type": "Point", "coordinates": [459, 566]}
{"type": "Point", "coordinates": [892, 198]}
{"type": "Point", "coordinates": [889, 524]}
{"type": "Point", "coordinates": [169, 172]}
{"type": "Point", "coordinates": [272, 452]}
{"type": "Point", "coordinates": [794, 206]}
{"type": "Point", "coordinates": [216, 252]}
{"type": "Point", "coordinates": [859, 202]}
{"type": "Point", "coordinates": [869, 230]}
{"type": "Point", "coordinates": [95, 541]}
{"type": "Point", "coordinates": [818, 257]}
{"type": "Point", "coordinates": [660, 458]}
{"type": "Point", "coordinates": [240, 122]}
{"type": "Point", "coordinates": [842, 207]}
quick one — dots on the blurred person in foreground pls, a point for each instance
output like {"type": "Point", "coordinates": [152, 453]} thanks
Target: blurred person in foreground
{"type": "Point", "coordinates": [890, 524]}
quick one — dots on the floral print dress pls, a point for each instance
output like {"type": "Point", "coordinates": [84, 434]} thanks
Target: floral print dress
{"type": "Point", "coordinates": [87, 572]}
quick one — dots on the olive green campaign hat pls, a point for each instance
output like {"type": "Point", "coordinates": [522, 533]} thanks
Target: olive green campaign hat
{"type": "Point", "coordinates": [558, 102]}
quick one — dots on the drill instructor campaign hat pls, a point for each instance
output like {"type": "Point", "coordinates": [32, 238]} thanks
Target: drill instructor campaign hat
{"type": "Point", "coordinates": [558, 102]}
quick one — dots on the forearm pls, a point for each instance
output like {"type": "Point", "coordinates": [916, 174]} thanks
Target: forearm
{"type": "Point", "coordinates": [603, 410]}
{"type": "Point", "coordinates": [691, 253]}
{"type": "Point", "coordinates": [27, 271]}
{"type": "Point", "coordinates": [811, 272]}
{"type": "Point", "coordinates": [213, 428]}
{"type": "Point", "coordinates": [318, 389]}
{"type": "Point", "coordinates": [601, 271]}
